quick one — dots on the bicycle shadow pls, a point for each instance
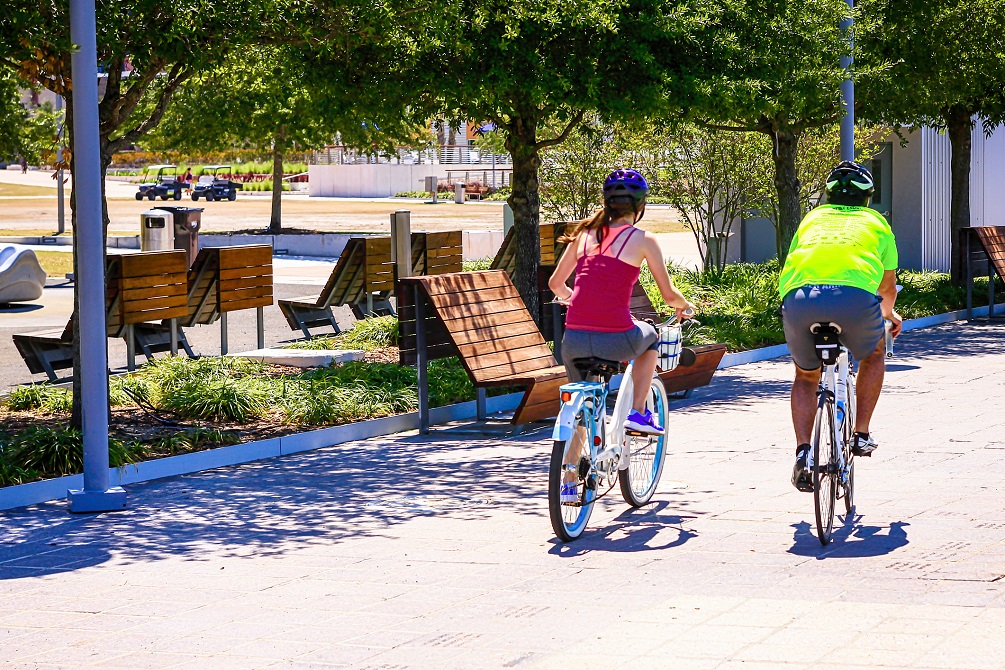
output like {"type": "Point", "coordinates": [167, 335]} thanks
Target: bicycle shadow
{"type": "Point", "coordinates": [850, 540]}
{"type": "Point", "coordinates": [633, 530]}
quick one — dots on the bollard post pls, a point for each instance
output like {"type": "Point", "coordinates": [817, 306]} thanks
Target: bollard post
{"type": "Point", "coordinates": [422, 381]}
{"type": "Point", "coordinates": [261, 327]}
{"type": "Point", "coordinates": [401, 243]}
{"type": "Point", "coordinates": [174, 336]}
{"type": "Point", "coordinates": [224, 345]}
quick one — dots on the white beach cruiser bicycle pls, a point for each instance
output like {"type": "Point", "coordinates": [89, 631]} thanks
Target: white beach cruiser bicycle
{"type": "Point", "coordinates": [593, 450]}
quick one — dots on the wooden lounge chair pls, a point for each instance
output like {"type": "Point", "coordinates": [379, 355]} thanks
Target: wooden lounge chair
{"type": "Point", "coordinates": [479, 317]}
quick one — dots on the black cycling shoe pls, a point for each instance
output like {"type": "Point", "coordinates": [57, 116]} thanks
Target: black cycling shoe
{"type": "Point", "coordinates": [802, 477]}
{"type": "Point", "coordinates": [862, 444]}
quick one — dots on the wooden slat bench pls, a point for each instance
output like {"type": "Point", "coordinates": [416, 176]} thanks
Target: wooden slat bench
{"type": "Point", "coordinates": [210, 296]}
{"type": "Point", "coordinates": [139, 288]}
{"type": "Point", "coordinates": [480, 318]}
{"type": "Point", "coordinates": [363, 278]}
{"type": "Point", "coordinates": [153, 286]}
{"type": "Point", "coordinates": [984, 247]}
{"type": "Point", "coordinates": [246, 282]}
{"type": "Point", "coordinates": [344, 285]}
{"type": "Point", "coordinates": [47, 351]}
{"type": "Point", "coordinates": [551, 248]}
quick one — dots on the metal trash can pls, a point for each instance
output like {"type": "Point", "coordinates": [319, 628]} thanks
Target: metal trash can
{"type": "Point", "coordinates": [187, 222]}
{"type": "Point", "coordinates": [459, 193]}
{"type": "Point", "coordinates": [156, 230]}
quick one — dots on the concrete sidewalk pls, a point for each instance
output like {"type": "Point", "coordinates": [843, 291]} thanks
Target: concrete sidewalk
{"type": "Point", "coordinates": [436, 552]}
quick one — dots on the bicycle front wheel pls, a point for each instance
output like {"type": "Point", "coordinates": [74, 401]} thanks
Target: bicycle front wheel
{"type": "Point", "coordinates": [570, 468]}
{"type": "Point", "coordinates": [825, 469]}
{"type": "Point", "coordinates": [646, 453]}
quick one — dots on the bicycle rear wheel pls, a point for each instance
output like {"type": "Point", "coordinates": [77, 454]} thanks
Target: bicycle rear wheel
{"type": "Point", "coordinates": [825, 465]}
{"type": "Point", "coordinates": [570, 462]}
{"type": "Point", "coordinates": [646, 454]}
{"type": "Point", "coordinates": [849, 458]}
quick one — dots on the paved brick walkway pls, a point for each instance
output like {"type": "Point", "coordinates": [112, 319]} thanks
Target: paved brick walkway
{"type": "Point", "coordinates": [437, 553]}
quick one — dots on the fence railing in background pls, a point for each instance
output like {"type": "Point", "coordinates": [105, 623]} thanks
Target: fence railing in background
{"type": "Point", "coordinates": [444, 155]}
{"type": "Point", "coordinates": [496, 178]}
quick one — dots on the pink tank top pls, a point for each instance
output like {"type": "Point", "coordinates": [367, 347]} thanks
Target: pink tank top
{"type": "Point", "coordinates": [602, 292]}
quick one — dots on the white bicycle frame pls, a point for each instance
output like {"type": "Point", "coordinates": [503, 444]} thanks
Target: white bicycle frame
{"type": "Point", "coordinates": [611, 427]}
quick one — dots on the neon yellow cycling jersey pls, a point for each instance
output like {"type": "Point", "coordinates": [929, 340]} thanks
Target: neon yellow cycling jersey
{"type": "Point", "coordinates": [843, 246]}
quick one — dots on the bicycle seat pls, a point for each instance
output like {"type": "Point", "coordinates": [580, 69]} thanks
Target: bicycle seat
{"type": "Point", "coordinates": [598, 367]}
{"type": "Point", "coordinates": [826, 341]}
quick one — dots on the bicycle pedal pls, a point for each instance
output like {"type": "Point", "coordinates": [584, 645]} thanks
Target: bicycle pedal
{"type": "Point", "coordinates": [639, 433]}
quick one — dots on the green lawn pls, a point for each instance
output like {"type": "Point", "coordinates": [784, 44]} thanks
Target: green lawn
{"type": "Point", "coordinates": [55, 263]}
{"type": "Point", "coordinates": [20, 189]}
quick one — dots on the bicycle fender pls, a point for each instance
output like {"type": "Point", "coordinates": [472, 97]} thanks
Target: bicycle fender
{"type": "Point", "coordinates": [565, 424]}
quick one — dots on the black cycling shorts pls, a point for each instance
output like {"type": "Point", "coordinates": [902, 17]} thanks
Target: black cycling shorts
{"type": "Point", "coordinates": [858, 312]}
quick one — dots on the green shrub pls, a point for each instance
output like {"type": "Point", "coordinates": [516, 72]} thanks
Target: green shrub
{"type": "Point", "coordinates": [218, 399]}
{"type": "Point", "coordinates": [372, 333]}
{"type": "Point", "coordinates": [188, 440]}
{"type": "Point", "coordinates": [476, 264]}
{"type": "Point", "coordinates": [501, 194]}
{"type": "Point", "coordinates": [42, 397]}
{"type": "Point", "coordinates": [412, 194]}
{"type": "Point", "coordinates": [368, 334]}
{"type": "Point", "coordinates": [54, 452]}
{"type": "Point", "coordinates": [317, 402]}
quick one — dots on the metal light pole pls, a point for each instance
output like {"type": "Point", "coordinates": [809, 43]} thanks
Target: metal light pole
{"type": "Point", "coordinates": [96, 496]}
{"type": "Point", "coordinates": [848, 93]}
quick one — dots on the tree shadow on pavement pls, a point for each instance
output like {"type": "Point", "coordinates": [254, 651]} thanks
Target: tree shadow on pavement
{"type": "Point", "coordinates": [850, 540]}
{"type": "Point", "coordinates": [633, 530]}
{"type": "Point", "coordinates": [266, 508]}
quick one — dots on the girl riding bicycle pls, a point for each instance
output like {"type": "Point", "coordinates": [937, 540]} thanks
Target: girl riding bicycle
{"type": "Point", "coordinates": [606, 252]}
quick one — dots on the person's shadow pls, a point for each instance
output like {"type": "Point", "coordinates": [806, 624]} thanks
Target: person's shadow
{"type": "Point", "coordinates": [850, 540]}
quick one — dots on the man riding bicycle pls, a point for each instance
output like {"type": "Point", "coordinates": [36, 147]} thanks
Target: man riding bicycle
{"type": "Point", "coordinates": [841, 268]}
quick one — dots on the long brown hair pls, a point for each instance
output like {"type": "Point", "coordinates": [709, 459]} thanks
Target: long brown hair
{"type": "Point", "coordinates": [599, 221]}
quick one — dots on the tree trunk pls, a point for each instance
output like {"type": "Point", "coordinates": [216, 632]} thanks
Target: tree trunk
{"type": "Point", "coordinates": [959, 127]}
{"type": "Point", "coordinates": [276, 222]}
{"type": "Point", "coordinates": [787, 188]}
{"type": "Point", "coordinates": [521, 142]}
{"type": "Point", "coordinates": [76, 419]}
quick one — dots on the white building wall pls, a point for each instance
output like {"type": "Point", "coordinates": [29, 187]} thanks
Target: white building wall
{"type": "Point", "coordinates": [935, 180]}
{"type": "Point", "coordinates": [994, 179]}
{"type": "Point", "coordinates": [381, 180]}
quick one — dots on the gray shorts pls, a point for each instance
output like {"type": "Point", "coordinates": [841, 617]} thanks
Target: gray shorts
{"type": "Point", "coordinates": [858, 313]}
{"type": "Point", "coordinates": [624, 346]}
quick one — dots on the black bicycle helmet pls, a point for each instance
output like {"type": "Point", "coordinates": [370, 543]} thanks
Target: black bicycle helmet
{"type": "Point", "coordinates": [850, 180]}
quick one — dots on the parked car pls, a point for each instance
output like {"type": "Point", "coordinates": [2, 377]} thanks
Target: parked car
{"type": "Point", "coordinates": [213, 187]}
{"type": "Point", "coordinates": [165, 184]}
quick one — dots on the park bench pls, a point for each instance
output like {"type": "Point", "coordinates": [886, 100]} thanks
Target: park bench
{"type": "Point", "coordinates": [221, 280]}
{"type": "Point", "coordinates": [984, 247]}
{"type": "Point", "coordinates": [551, 251]}
{"type": "Point", "coordinates": [480, 318]}
{"type": "Point", "coordinates": [139, 288]}
{"type": "Point", "coordinates": [363, 278]}
{"type": "Point", "coordinates": [551, 248]}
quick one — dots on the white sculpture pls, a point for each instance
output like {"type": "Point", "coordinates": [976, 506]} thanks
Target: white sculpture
{"type": "Point", "coordinates": [21, 277]}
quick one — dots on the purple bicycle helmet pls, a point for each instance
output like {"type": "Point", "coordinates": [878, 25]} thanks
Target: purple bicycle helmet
{"type": "Point", "coordinates": [622, 183]}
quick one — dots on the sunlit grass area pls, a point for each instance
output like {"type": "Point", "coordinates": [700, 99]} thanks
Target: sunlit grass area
{"type": "Point", "coordinates": [55, 263]}
{"type": "Point", "coordinates": [23, 190]}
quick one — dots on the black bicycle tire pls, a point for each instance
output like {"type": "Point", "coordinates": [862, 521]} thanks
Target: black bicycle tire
{"type": "Point", "coordinates": [624, 476]}
{"type": "Point", "coordinates": [824, 472]}
{"type": "Point", "coordinates": [555, 505]}
{"type": "Point", "coordinates": [849, 422]}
